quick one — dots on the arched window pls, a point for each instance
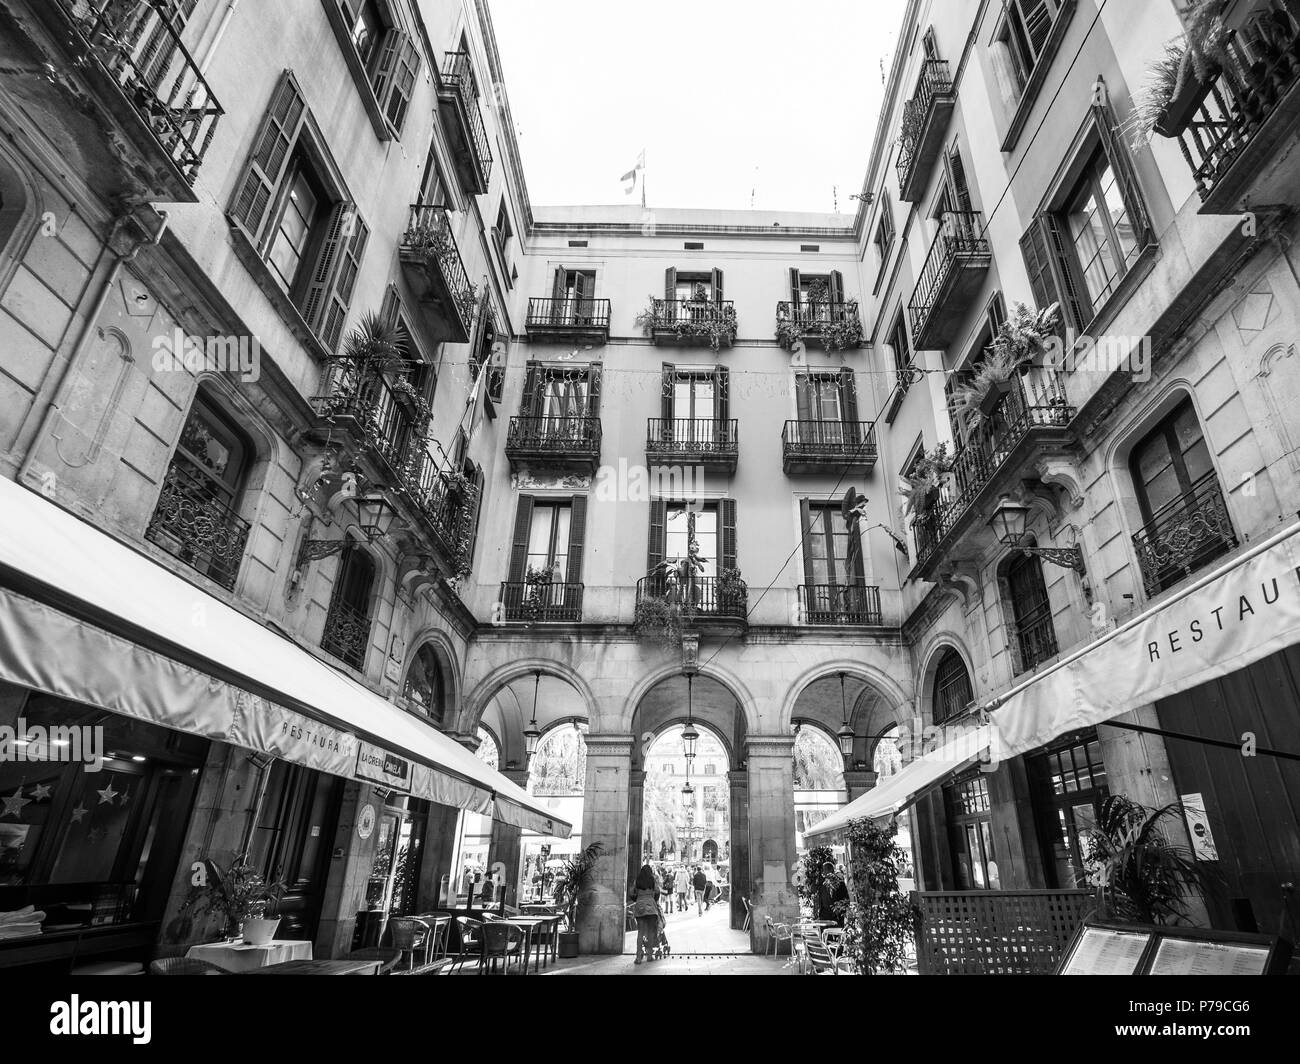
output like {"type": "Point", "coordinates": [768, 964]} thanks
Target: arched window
{"type": "Point", "coordinates": [887, 758]}
{"type": "Point", "coordinates": [1031, 612]}
{"type": "Point", "coordinates": [488, 750]}
{"type": "Point", "coordinates": [559, 766]}
{"type": "Point", "coordinates": [425, 690]}
{"type": "Point", "coordinates": [818, 763]}
{"type": "Point", "coordinates": [347, 625]}
{"type": "Point", "coordinates": [952, 689]}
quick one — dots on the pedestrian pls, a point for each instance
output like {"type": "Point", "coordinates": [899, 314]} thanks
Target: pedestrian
{"type": "Point", "coordinates": [832, 896]}
{"type": "Point", "coordinates": [644, 896]}
{"type": "Point", "coordinates": [681, 884]}
{"type": "Point", "coordinates": [699, 882]}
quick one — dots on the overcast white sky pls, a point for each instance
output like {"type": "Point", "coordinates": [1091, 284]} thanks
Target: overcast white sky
{"type": "Point", "coordinates": [728, 98]}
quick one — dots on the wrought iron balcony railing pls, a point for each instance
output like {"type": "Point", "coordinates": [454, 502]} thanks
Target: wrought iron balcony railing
{"type": "Point", "coordinates": [143, 52]}
{"type": "Point", "coordinates": [839, 604]}
{"type": "Point", "coordinates": [558, 436]}
{"type": "Point", "coordinates": [428, 235]}
{"type": "Point", "coordinates": [934, 84]}
{"type": "Point", "coordinates": [1036, 638]}
{"type": "Point", "coordinates": [203, 532]}
{"type": "Point", "coordinates": [458, 78]}
{"type": "Point", "coordinates": [837, 325]}
{"type": "Point", "coordinates": [686, 319]}
{"type": "Point", "coordinates": [1251, 100]}
{"type": "Point", "coordinates": [939, 298]}
{"type": "Point", "coordinates": [1185, 535]}
{"type": "Point", "coordinates": [449, 506]}
{"type": "Point", "coordinates": [692, 436]}
{"type": "Point", "coordinates": [831, 444]}
{"type": "Point", "coordinates": [534, 603]}
{"type": "Point", "coordinates": [1042, 405]}
{"type": "Point", "coordinates": [701, 597]}
{"type": "Point", "coordinates": [346, 634]}
{"type": "Point", "coordinates": [568, 314]}
{"type": "Point", "coordinates": [377, 414]}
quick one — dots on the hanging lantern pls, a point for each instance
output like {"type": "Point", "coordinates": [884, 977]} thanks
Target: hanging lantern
{"type": "Point", "coordinates": [845, 734]}
{"type": "Point", "coordinates": [533, 734]}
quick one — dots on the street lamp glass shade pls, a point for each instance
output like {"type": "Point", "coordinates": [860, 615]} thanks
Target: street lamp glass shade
{"type": "Point", "coordinates": [690, 737]}
{"type": "Point", "coordinates": [532, 736]}
{"type": "Point", "coordinates": [374, 516]}
{"type": "Point", "coordinates": [688, 792]}
{"type": "Point", "coordinates": [845, 735]}
{"type": "Point", "coordinates": [1008, 521]}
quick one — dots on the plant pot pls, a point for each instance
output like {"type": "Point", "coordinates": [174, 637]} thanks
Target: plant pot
{"type": "Point", "coordinates": [998, 391]}
{"type": "Point", "coordinates": [258, 932]}
{"type": "Point", "coordinates": [568, 944]}
{"type": "Point", "coordinates": [1180, 110]}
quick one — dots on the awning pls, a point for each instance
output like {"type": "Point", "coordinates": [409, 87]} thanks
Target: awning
{"type": "Point", "coordinates": [87, 617]}
{"type": "Point", "coordinates": [1237, 614]}
{"type": "Point", "coordinates": [904, 787]}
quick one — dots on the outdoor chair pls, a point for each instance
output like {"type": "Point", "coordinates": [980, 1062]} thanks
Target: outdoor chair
{"type": "Point", "coordinates": [471, 939]}
{"type": "Point", "coordinates": [834, 939]}
{"type": "Point", "coordinates": [440, 933]}
{"type": "Point", "coordinates": [749, 912]}
{"type": "Point", "coordinates": [776, 934]}
{"type": "Point", "coordinates": [185, 966]}
{"type": "Point", "coordinates": [504, 941]}
{"type": "Point", "coordinates": [820, 961]}
{"type": "Point", "coordinates": [409, 935]}
{"type": "Point", "coordinates": [387, 956]}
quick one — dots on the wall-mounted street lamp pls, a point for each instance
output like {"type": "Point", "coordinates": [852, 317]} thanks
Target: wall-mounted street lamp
{"type": "Point", "coordinates": [1008, 523]}
{"type": "Point", "coordinates": [374, 519]}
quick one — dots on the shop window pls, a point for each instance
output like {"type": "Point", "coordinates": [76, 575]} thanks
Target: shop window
{"type": "Point", "coordinates": [970, 833]}
{"type": "Point", "coordinates": [425, 691]}
{"type": "Point", "coordinates": [347, 624]}
{"type": "Point", "coordinates": [952, 687]}
{"type": "Point", "coordinates": [1069, 786]}
{"type": "Point", "coordinates": [1031, 612]}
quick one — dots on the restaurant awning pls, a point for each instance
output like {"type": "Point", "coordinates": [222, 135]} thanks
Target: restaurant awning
{"type": "Point", "coordinates": [904, 787]}
{"type": "Point", "coordinates": [89, 618]}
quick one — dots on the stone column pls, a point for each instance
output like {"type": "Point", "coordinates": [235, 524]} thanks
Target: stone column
{"type": "Point", "coordinates": [506, 844]}
{"type": "Point", "coordinates": [771, 833]}
{"type": "Point", "coordinates": [442, 826]}
{"type": "Point", "coordinates": [739, 867]}
{"type": "Point", "coordinates": [350, 867]}
{"type": "Point", "coordinates": [635, 821]}
{"type": "Point", "coordinates": [858, 782]}
{"type": "Point", "coordinates": [605, 814]}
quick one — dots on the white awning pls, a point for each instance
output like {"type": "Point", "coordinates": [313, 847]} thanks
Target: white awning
{"type": "Point", "coordinates": [89, 618]}
{"type": "Point", "coordinates": [907, 785]}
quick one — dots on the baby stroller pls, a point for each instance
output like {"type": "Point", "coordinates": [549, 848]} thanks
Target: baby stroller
{"type": "Point", "coordinates": [662, 949]}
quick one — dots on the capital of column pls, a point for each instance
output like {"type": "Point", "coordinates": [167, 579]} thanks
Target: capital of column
{"type": "Point", "coordinates": [738, 778]}
{"type": "Point", "coordinates": [518, 776]}
{"type": "Point", "coordinates": [610, 745]}
{"type": "Point", "coordinates": [769, 746]}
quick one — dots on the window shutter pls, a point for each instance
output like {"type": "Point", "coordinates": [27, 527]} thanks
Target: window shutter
{"type": "Point", "coordinates": [670, 283]}
{"type": "Point", "coordinates": [594, 378]}
{"type": "Point", "coordinates": [717, 286]}
{"type": "Point", "coordinates": [528, 405]}
{"type": "Point", "coordinates": [1076, 295]}
{"type": "Point", "coordinates": [329, 293]}
{"type": "Point", "coordinates": [519, 548]}
{"type": "Point", "coordinates": [849, 405]}
{"type": "Point", "coordinates": [1038, 263]}
{"type": "Point", "coordinates": [961, 190]}
{"type": "Point", "coordinates": [389, 309]}
{"type": "Point", "coordinates": [836, 287]}
{"type": "Point", "coordinates": [929, 44]}
{"type": "Point", "coordinates": [479, 479]}
{"type": "Point", "coordinates": [1037, 17]}
{"type": "Point", "coordinates": [577, 537]}
{"type": "Point", "coordinates": [794, 287]}
{"type": "Point", "coordinates": [727, 519]}
{"type": "Point", "coordinates": [557, 288]}
{"type": "Point", "coordinates": [658, 537]}
{"type": "Point", "coordinates": [666, 399]}
{"type": "Point", "coordinates": [1112, 143]}
{"type": "Point", "coordinates": [805, 523]}
{"type": "Point", "coordinates": [802, 397]}
{"type": "Point", "coordinates": [395, 74]}
{"type": "Point", "coordinates": [722, 396]}
{"type": "Point", "coordinates": [263, 173]}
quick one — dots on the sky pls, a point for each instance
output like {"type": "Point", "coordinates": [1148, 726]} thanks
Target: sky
{"type": "Point", "coordinates": [736, 103]}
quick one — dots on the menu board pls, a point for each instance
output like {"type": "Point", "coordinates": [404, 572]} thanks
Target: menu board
{"type": "Point", "coordinates": [1182, 956]}
{"type": "Point", "coordinates": [1101, 951]}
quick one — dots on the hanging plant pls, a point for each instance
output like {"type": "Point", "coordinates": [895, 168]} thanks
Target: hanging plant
{"type": "Point", "coordinates": [659, 620]}
{"type": "Point", "coordinates": [537, 593]}
{"type": "Point", "coordinates": [1022, 339]}
{"type": "Point", "coordinates": [844, 332]}
{"type": "Point", "coordinates": [733, 592]}
{"type": "Point", "coordinates": [917, 488]}
{"type": "Point", "coordinates": [880, 918]}
{"type": "Point", "coordinates": [1186, 65]}
{"type": "Point", "coordinates": [716, 325]}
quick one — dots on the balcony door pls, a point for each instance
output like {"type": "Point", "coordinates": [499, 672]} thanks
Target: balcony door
{"type": "Point", "coordinates": [834, 575]}
{"type": "Point", "coordinates": [970, 834]}
{"type": "Point", "coordinates": [546, 555]}
{"type": "Point", "coordinates": [827, 409]}
{"type": "Point", "coordinates": [347, 624]}
{"type": "Point", "coordinates": [1031, 611]}
{"type": "Point", "coordinates": [573, 297]}
{"type": "Point", "coordinates": [817, 297]}
{"type": "Point", "coordinates": [714, 526]}
{"type": "Point", "coordinates": [696, 407]}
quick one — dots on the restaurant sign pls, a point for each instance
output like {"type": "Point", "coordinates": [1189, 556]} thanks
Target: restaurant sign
{"type": "Point", "coordinates": [270, 729]}
{"type": "Point", "coordinates": [377, 765]}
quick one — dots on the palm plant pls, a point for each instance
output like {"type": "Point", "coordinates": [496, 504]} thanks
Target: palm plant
{"type": "Point", "coordinates": [1139, 875]}
{"type": "Point", "coordinates": [574, 881]}
{"type": "Point", "coordinates": [377, 342]}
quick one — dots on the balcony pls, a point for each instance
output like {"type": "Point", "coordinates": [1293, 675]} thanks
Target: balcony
{"type": "Point", "coordinates": [201, 531]}
{"type": "Point", "coordinates": [574, 320]}
{"type": "Point", "coordinates": [841, 605]}
{"type": "Point", "coordinates": [346, 634]}
{"type": "Point", "coordinates": [830, 447]}
{"type": "Point", "coordinates": [437, 275]}
{"type": "Point", "coordinates": [710, 443]}
{"type": "Point", "coordinates": [1185, 535]}
{"type": "Point", "coordinates": [1033, 421]}
{"type": "Point", "coordinates": [704, 600]}
{"type": "Point", "coordinates": [950, 280]}
{"type": "Point", "coordinates": [833, 326]}
{"type": "Point", "coordinates": [693, 322]}
{"type": "Point", "coordinates": [1236, 139]}
{"type": "Point", "coordinates": [447, 507]}
{"type": "Point", "coordinates": [113, 84]}
{"type": "Point", "coordinates": [555, 443]}
{"type": "Point", "coordinates": [365, 407]}
{"type": "Point", "coordinates": [458, 103]}
{"type": "Point", "coordinates": [920, 136]}
{"type": "Point", "coordinates": [540, 603]}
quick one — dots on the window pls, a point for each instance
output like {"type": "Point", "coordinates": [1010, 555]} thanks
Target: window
{"type": "Point", "coordinates": [1023, 33]}
{"type": "Point", "coordinates": [366, 27]}
{"type": "Point", "coordinates": [546, 558]}
{"type": "Point", "coordinates": [1101, 234]}
{"type": "Point", "coordinates": [347, 624]}
{"type": "Point", "coordinates": [386, 61]}
{"type": "Point", "coordinates": [572, 296]}
{"type": "Point", "coordinates": [695, 407]}
{"type": "Point", "coordinates": [689, 293]}
{"type": "Point", "coordinates": [714, 524]}
{"type": "Point", "coordinates": [433, 190]}
{"type": "Point", "coordinates": [952, 689]}
{"type": "Point", "coordinates": [1069, 785]}
{"type": "Point", "coordinates": [901, 346]}
{"type": "Point", "coordinates": [195, 518]}
{"type": "Point", "coordinates": [994, 316]}
{"type": "Point", "coordinates": [297, 218]}
{"type": "Point", "coordinates": [1031, 612]}
{"type": "Point", "coordinates": [884, 238]}
{"type": "Point", "coordinates": [425, 691]}
{"type": "Point", "coordinates": [827, 408]}
{"type": "Point", "coordinates": [970, 833]}
{"type": "Point", "coordinates": [817, 296]}
{"type": "Point", "coordinates": [564, 401]}
{"type": "Point", "coordinates": [502, 232]}
{"type": "Point", "coordinates": [827, 556]}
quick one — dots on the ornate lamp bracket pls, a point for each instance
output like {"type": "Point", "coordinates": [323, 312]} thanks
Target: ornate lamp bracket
{"type": "Point", "coordinates": [1066, 557]}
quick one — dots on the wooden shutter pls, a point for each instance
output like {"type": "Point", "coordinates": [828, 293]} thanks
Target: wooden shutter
{"type": "Point", "coordinates": [329, 292]}
{"type": "Point", "coordinates": [1036, 248]}
{"type": "Point", "coordinates": [1113, 144]}
{"type": "Point", "coordinates": [478, 480]}
{"type": "Point", "coordinates": [794, 287]}
{"type": "Point", "coordinates": [836, 287]}
{"type": "Point", "coordinates": [809, 575]}
{"type": "Point", "coordinates": [557, 287]}
{"type": "Point", "coordinates": [264, 171]}
{"type": "Point", "coordinates": [519, 548]}
{"type": "Point", "coordinates": [528, 404]}
{"type": "Point", "coordinates": [666, 399]}
{"type": "Point", "coordinates": [849, 405]}
{"type": "Point", "coordinates": [803, 397]}
{"type": "Point", "coordinates": [961, 190]}
{"type": "Point", "coordinates": [658, 536]}
{"type": "Point", "coordinates": [722, 396]}
{"type": "Point", "coordinates": [929, 44]}
{"type": "Point", "coordinates": [595, 375]}
{"type": "Point", "coordinates": [1067, 278]}
{"type": "Point", "coordinates": [670, 283]}
{"type": "Point", "coordinates": [577, 537]}
{"type": "Point", "coordinates": [727, 521]}
{"type": "Point", "coordinates": [717, 286]}
{"type": "Point", "coordinates": [395, 74]}
{"type": "Point", "coordinates": [1037, 17]}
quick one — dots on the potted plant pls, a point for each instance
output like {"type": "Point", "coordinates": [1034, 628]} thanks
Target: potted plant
{"type": "Point", "coordinates": [376, 343]}
{"type": "Point", "coordinates": [241, 896]}
{"type": "Point", "coordinates": [538, 583]}
{"type": "Point", "coordinates": [573, 885]}
{"type": "Point", "coordinates": [879, 918]}
{"type": "Point", "coordinates": [919, 488]}
{"type": "Point", "coordinates": [1181, 76]}
{"type": "Point", "coordinates": [733, 592]}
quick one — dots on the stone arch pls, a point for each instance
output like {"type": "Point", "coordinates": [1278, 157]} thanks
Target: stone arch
{"type": "Point", "coordinates": [471, 710]}
{"type": "Point", "coordinates": [20, 213]}
{"type": "Point", "coordinates": [445, 653]}
{"type": "Point", "coordinates": [711, 670]}
{"type": "Point", "coordinates": [643, 745]}
{"type": "Point", "coordinates": [886, 685]}
{"type": "Point", "coordinates": [930, 657]}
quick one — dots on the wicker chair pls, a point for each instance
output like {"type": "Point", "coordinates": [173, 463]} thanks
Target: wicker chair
{"type": "Point", "coordinates": [471, 939]}
{"type": "Point", "coordinates": [409, 935]}
{"type": "Point", "coordinates": [502, 941]}
{"type": "Point", "coordinates": [185, 966]}
{"type": "Point", "coordinates": [386, 955]}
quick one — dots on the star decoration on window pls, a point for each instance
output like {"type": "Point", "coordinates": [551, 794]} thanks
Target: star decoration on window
{"type": "Point", "coordinates": [40, 792]}
{"type": "Point", "coordinates": [14, 803]}
{"type": "Point", "coordinates": [107, 795]}
{"type": "Point", "coordinates": [78, 813]}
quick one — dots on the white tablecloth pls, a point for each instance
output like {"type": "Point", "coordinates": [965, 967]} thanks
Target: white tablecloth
{"type": "Point", "coordinates": [239, 957]}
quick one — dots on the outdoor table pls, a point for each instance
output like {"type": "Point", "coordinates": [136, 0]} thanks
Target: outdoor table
{"type": "Point", "coordinates": [439, 925]}
{"type": "Point", "coordinates": [530, 925]}
{"type": "Point", "coordinates": [318, 968]}
{"type": "Point", "coordinates": [243, 957]}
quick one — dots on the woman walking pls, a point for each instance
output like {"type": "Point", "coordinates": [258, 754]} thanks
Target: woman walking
{"type": "Point", "coordinates": [645, 907]}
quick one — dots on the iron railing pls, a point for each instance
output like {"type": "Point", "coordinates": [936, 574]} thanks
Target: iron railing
{"type": "Point", "coordinates": [428, 232]}
{"type": "Point", "coordinates": [1185, 535]}
{"type": "Point", "coordinates": [952, 694]}
{"type": "Point", "coordinates": [556, 434]}
{"type": "Point", "coordinates": [200, 530]}
{"type": "Point", "coordinates": [961, 236]}
{"type": "Point", "coordinates": [143, 52]}
{"type": "Point", "coordinates": [449, 507]}
{"type": "Point", "coordinates": [1036, 637]}
{"type": "Point", "coordinates": [831, 440]}
{"type": "Point", "coordinates": [346, 634]}
{"type": "Point", "coordinates": [700, 596]}
{"type": "Point", "coordinates": [531, 602]}
{"type": "Point", "coordinates": [704, 318]}
{"type": "Point", "coordinates": [362, 393]}
{"type": "Point", "coordinates": [548, 313]}
{"type": "Point", "coordinates": [934, 80]}
{"type": "Point", "coordinates": [814, 318]}
{"type": "Point", "coordinates": [1034, 402]}
{"type": "Point", "coordinates": [839, 604]}
{"type": "Point", "coordinates": [458, 75]}
{"type": "Point", "coordinates": [1263, 65]}
{"type": "Point", "coordinates": [702, 436]}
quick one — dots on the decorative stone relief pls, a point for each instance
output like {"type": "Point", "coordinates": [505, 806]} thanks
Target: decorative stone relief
{"type": "Point", "coordinates": [1254, 310]}
{"type": "Point", "coordinates": [1279, 375]}
{"type": "Point", "coordinates": [527, 480]}
{"type": "Point", "coordinates": [110, 344]}
{"type": "Point", "coordinates": [1064, 474]}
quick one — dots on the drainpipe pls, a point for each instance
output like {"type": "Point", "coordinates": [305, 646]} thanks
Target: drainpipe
{"type": "Point", "coordinates": [210, 52]}
{"type": "Point", "coordinates": [65, 381]}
